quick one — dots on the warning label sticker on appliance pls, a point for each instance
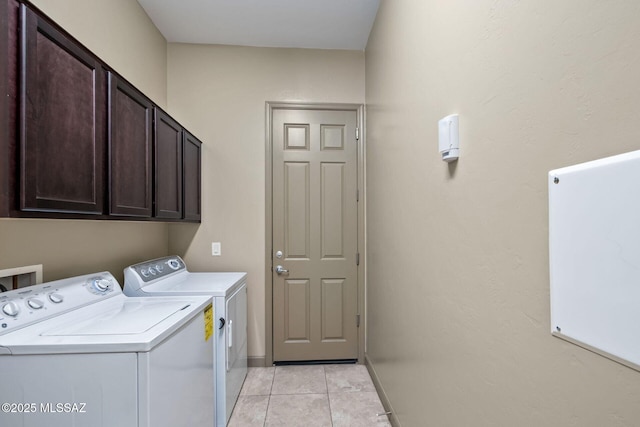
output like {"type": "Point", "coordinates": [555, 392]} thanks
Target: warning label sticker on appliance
{"type": "Point", "coordinates": [208, 322]}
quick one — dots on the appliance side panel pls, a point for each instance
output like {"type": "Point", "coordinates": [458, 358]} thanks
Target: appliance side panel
{"type": "Point", "coordinates": [69, 390]}
{"type": "Point", "coordinates": [180, 379]}
{"type": "Point", "coordinates": [237, 353]}
{"type": "Point", "coordinates": [221, 359]}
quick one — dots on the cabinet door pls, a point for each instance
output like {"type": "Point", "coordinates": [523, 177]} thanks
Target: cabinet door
{"type": "Point", "coordinates": [191, 165]}
{"type": "Point", "coordinates": [62, 121]}
{"type": "Point", "coordinates": [5, 152]}
{"type": "Point", "coordinates": [168, 166]}
{"type": "Point", "coordinates": [130, 139]}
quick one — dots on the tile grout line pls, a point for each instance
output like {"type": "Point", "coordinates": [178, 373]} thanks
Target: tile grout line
{"type": "Point", "coordinates": [264, 423]}
{"type": "Point", "coordinates": [266, 411]}
{"type": "Point", "coordinates": [326, 384]}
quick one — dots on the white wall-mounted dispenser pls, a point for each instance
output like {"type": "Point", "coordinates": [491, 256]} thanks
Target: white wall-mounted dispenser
{"type": "Point", "coordinates": [449, 138]}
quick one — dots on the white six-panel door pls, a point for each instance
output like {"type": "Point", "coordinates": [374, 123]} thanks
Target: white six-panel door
{"type": "Point", "coordinates": [314, 223]}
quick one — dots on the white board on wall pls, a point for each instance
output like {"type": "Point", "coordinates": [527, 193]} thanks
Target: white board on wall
{"type": "Point", "coordinates": [594, 256]}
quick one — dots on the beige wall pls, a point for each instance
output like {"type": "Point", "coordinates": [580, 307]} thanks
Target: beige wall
{"type": "Point", "coordinates": [121, 34]}
{"type": "Point", "coordinates": [68, 248]}
{"type": "Point", "coordinates": [458, 278]}
{"type": "Point", "coordinates": [219, 92]}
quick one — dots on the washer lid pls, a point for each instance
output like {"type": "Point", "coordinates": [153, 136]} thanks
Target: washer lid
{"type": "Point", "coordinates": [119, 324]}
{"type": "Point", "coordinates": [130, 318]}
{"type": "Point", "coordinates": [214, 284]}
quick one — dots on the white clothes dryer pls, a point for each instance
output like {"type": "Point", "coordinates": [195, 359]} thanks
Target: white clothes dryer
{"type": "Point", "coordinates": [78, 352]}
{"type": "Point", "coordinates": [169, 276]}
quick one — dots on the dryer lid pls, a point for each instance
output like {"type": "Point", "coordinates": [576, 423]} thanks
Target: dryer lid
{"type": "Point", "coordinates": [215, 284]}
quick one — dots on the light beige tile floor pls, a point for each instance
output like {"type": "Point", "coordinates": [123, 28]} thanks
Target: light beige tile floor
{"type": "Point", "coordinates": [315, 395]}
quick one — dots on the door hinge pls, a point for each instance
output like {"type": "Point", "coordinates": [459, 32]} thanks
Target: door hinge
{"type": "Point", "coordinates": [357, 258]}
{"type": "Point", "coordinates": [357, 320]}
{"type": "Point", "coordinates": [358, 195]}
{"type": "Point", "coordinates": [357, 134]}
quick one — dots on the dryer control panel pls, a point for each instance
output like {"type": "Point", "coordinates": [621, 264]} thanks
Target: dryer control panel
{"type": "Point", "coordinates": [157, 268]}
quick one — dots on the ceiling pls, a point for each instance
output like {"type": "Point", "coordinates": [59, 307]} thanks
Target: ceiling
{"type": "Point", "coordinates": [313, 24]}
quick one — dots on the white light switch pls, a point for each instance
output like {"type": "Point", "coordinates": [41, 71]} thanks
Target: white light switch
{"type": "Point", "coordinates": [216, 249]}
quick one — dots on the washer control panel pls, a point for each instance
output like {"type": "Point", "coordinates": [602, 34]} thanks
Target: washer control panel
{"type": "Point", "coordinates": [100, 285]}
{"type": "Point", "coordinates": [157, 268]}
{"type": "Point", "coordinates": [24, 306]}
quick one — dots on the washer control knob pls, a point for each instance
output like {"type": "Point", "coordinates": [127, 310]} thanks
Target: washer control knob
{"type": "Point", "coordinates": [174, 264]}
{"type": "Point", "coordinates": [35, 303]}
{"type": "Point", "coordinates": [144, 272]}
{"type": "Point", "coordinates": [159, 267]}
{"type": "Point", "coordinates": [11, 309]}
{"type": "Point", "coordinates": [153, 271]}
{"type": "Point", "coordinates": [101, 285]}
{"type": "Point", "coordinates": [55, 298]}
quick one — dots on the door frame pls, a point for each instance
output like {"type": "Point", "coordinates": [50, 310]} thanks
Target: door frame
{"type": "Point", "coordinates": [268, 271]}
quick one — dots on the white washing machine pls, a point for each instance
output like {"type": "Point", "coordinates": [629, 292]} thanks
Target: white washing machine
{"type": "Point", "coordinates": [78, 352]}
{"type": "Point", "coordinates": [169, 276]}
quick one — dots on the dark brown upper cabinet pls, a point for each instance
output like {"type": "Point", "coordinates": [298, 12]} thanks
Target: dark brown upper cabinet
{"type": "Point", "coordinates": [168, 167]}
{"type": "Point", "coordinates": [7, 145]}
{"type": "Point", "coordinates": [191, 153]}
{"type": "Point", "coordinates": [61, 122]}
{"type": "Point", "coordinates": [79, 141]}
{"type": "Point", "coordinates": [130, 150]}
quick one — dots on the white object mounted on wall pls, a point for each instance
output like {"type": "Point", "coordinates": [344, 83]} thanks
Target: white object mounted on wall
{"type": "Point", "coordinates": [594, 256]}
{"type": "Point", "coordinates": [449, 138]}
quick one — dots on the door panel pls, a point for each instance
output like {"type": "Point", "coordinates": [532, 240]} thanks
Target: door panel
{"type": "Point", "coordinates": [315, 228]}
{"type": "Point", "coordinates": [332, 210]}
{"type": "Point", "coordinates": [297, 316]}
{"type": "Point", "coordinates": [296, 137]}
{"type": "Point", "coordinates": [333, 326]}
{"type": "Point", "coordinates": [297, 221]}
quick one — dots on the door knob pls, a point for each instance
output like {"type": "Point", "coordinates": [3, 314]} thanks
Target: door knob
{"type": "Point", "coordinates": [281, 270]}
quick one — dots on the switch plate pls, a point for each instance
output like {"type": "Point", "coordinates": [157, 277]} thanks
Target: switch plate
{"type": "Point", "coordinates": [216, 249]}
